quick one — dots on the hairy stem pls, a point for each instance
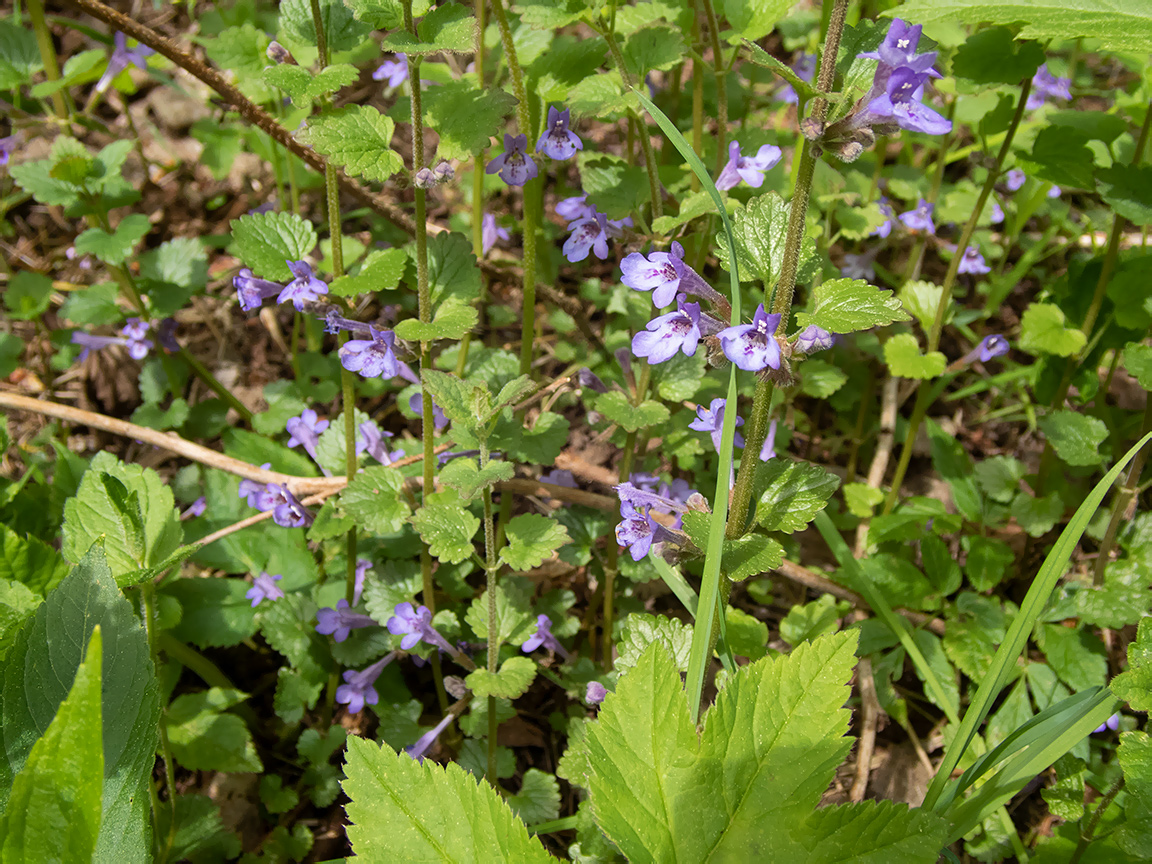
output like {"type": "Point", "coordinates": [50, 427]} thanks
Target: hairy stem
{"type": "Point", "coordinates": [1089, 829]}
{"type": "Point", "coordinates": [1125, 495]}
{"type": "Point", "coordinates": [490, 568]}
{"type": "Point", "coordinates": [148, 595]}
{"type": "Point", "coordinates": [923, 394]}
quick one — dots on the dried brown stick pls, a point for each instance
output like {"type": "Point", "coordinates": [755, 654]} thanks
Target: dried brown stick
{"type": "Point", "coordinates": [869, 720]}
{"type": "Point", "coordinates": [248, 109]}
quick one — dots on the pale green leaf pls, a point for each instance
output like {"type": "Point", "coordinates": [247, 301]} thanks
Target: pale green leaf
{"type": "Point", "coordinates": [114, 248]}
{"type": "Point", "coordinates": [538, 799]}
{"type": "Point", "coordinates": [267, 241]}
{"type": "Point", "coordinates": [849, 305]}
{"type": "Point", "coordinates": [514, 617]}
{"type": "Point", "coordinates": [356, 138]}
{"type": "Point", "coordinates": [465, 116]}
{"type": "Point", "coordinates": [448, 530]}
{"type": "Point", "coordinates": [452, 321]}
{"type": "Point", "coordinates": [642, 630]}
{"type": "Point", "coordinates": [1127, 189]}
{"type": "Point", "coordinates": [760, 231]}
{"type": "Point", "coordinates": [19, 57]}
{"type": "Point", "coordinates": [450, 27]}
{"type": "Point", "coordinates": [30, 561]}
{"type": "Point", "coordinates": [464, 475]}
{"type": "Point", "coordinates": [614, 187]}
{"type": "Point", "coordinates": [1043, 330]}
{"type": "Point", "coordinates": [532, 538]}
{"type": "Point", "coordinates": [1134, 685]}
{"type": "Point", "coordinates": [794, 494]}
{"type": "Point", "coordinates": [1138, 362]}
{"type": "Point", "coordinates": [404, 810]}
{"type": "Point", "coordinates": [615, 407]}
{"type": "Point", "coordinates": [375, 500]}
{"type": "Point", "coordinates": [1075, 437]}
{"type": "Point", "coordinates": [54, 807]}
{"type": "Point", "coordinates": [992, 56]}
{"type": "Point", "coordinates": [755, 19]}
{"type": "Point", "coordinates": [385, 14]}
{"type": "Point", "coordinates": [381, 271]}
{"type": "Point", "coordinates": [905, 360]}
{"type": "Point", "coordinates": [512, 681]}
{"type": "Point", "coordinates": [205, 739]}
{"type": "Point", "coordinates": [805, 622]}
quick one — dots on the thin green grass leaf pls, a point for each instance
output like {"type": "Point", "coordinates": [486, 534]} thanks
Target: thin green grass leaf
{"type": "Point", "coordinates": [1004, 660]}
{"type": "Point", "coordinates": [675, 582]}
{"type": "Point", "coordinates": [710, 584]}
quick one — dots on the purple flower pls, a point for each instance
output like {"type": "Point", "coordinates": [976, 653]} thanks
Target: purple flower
{"type": "Point", "coordinates": [251, 291]}
{"type": "Point", "coordinates": [1112, 723]}
{"type": "Point", "coordinates": [898, 50]}
{"type": "Point", "coordinates": [394, 71]}
{"type": "Point", "coordinates": [543, 636]}
{"type": "Point", "coordinates": [416, 403]}
{"type": "Point", "coordinates": [589, 234]}
{"type": "Point", "coordinates": [490, 233]}
{"type": "Point", "coordinates": [305, 431]}
{"type": "Point", "coordinates": [595, 693]}
{"type": "Point", "coordinates": [635, 530]}
{"type": "Point", "coordinates": [711, 420]}
{"type": "Point", "coordinates": [363, 565]}
{"type": "Point", "coordinates": [416, 625]}
{"type": "Point", "coordinates": [574, 208]}
{"type": "Point", "coordinates": [287, 512]}
{"type": "Point", "coordinates": [371, 441]}
{"type": "Point", "coordinates": [919, 218]}
{"type": "Point", "coordinates": [196, 508]}
{"type": "Point", "coordinates": [264, 587]}
{"type": "Point", "coordinates": [134, 332]}
{"type": "Point", "coordinates": [305, 288]}
{"type": "Point", "coordinates": [900, 104]}
{"type": "Point", "coordinates": [166, 334]}
{"type": "Point", "coordinates": [973, 262]}
{"type": "Point", "coordinates": [254, 491]}
{"type": "Point", "coordinates": [341, 621]}
{"type": "Point", "coordinates": [805, 69]}
{"type": "Point", "coordinates": [990, 346]}
{"type": "Point", "coordinates": [559, 142]}
{"type": "Point", "coordinates": [587, 378]}
{"type": "Point", "coordinates": [357, 690]}
{"type": "Point", "coordinates": [424, 179]}
{"type": "Point", "coordinates": [417, 750]}
{"type": "Point", "coordinates": [1014, 179]}
{"type": "Point", "coordinates": [137, 348]}
{"type": "Point", "coordinates": [120, 58]}
{"type": "Point", "coordinates": [7, 148]}
{"type": "Point", "coordinates": [559, 477]}
{"type": "Point", "coordinates": [514, 165]}
{"type": "Point", "coordinates": [768, 451]}
{"type": "Point", "coordinates": [1054, 192]}
{"type": "Point", "coordinates": [656, 273]}
{"type": "Point", "coordinates": [997, 214]}
{"type": "Point", "coordinates": [753, 347]}
{"type": "Point", "coordinates": [1045, 85]}
{"type": "Point", "coordinates": [372, 358]}
{"type": "Point", "coordinates": [813, 339]}
{"type": "Point", "coordinates": [664, 336]}
{"type": "Point", "coordinates": [858, 266]}
{"type": "Point", "coordinates": [890, 216]}
{"type": "Point", "coordinates": [750, 169]}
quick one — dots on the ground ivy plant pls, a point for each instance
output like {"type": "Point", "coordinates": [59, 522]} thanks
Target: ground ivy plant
{"type": "Point", "coordinates": [605, 431]}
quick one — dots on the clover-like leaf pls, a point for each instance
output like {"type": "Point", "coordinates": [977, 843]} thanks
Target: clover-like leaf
{"type": "Point", "coordinates": [1043, 329]}
{"type": "Point", "coordinates": [615, 406]}
{"type": "Point", "coordinates": [466, 477]}
{"type": "Point", "coordinates": [532, 538]}
{"type": "Point", "coordinates": [902, 354]}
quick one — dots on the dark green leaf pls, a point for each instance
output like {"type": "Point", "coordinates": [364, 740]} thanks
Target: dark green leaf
{"type": "Point", "coordinates": [267, 241]}
{"type": "Point", "coordinates": [992, 56]}
{"type": "Point", "coordinates": [357, 138]}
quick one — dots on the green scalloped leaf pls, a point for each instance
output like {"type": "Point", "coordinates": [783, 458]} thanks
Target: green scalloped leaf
{"type": "Point", "coordinates": [849, 305]}
{"type": "Point", "coordinates": [511, 682]}
{"type": "Point", "coordinates": [904, 359]}
{"type": "Point", "coordinates": [450, 28]}
{"type": "Point", "coordinates": [357, 138]}
{"type": "Point", "coordinates": [532, 538]}
{"type": "Point", "coordinates": [448, 530]}
{"type": "Point", "coordinates": [265, 242]}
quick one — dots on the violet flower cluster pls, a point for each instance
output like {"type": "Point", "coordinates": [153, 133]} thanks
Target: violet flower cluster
{"type": "Point", "coordinates": [1046, 86]}
{"type": "Point", "coordinates": [133, 336]}
{"type": "Point", "coordinates": [339, 622]}
{"type": "Point", "coordinates": [264, 587]}
{"type": "Point", "coordinates": [394, 72]}
{"type": "Point", "coordinates": [357, 689]}
{"type": "Point", "coordinates": [303, 290]}
{"type": "Point", "coordinates": [543, 637]}
{"type": "Point", "coordinates": [287, 511]}
{"type": "Point", "coordinates": [637, 530]}
{"type": "Point", "coordinates": [121, 56]}
{"type": "Point", "coordinates": [747, 169]}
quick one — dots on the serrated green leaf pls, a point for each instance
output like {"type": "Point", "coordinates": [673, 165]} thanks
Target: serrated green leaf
{"type": "Point", "coordinates": [267, 241]}
{"type": "Point", "coordinates": [1120, 601]}
{"type": "Point", "coordinates": [381, 271]}
{"type": "Point", "coordinates": [1037, 516]}
{"type": "Point", "coordinates": [303, 87]}
{"type": "Point", "coordinates": [465, 116]}
{"type": "Point", "coordinates": [204, 739]}
{"type": "Point", "coordinates": [1076, 655]}
{"type": "Point", "coordinates": [450, 28]}
{"type": "Point", "coordinates": [992, 56]}
{"type": "Point", "coordinates": [759, 231]}
{"type": "Point", "coordinates": [803, 623]}
{"type": "Point", "coordinates": [1043, 330]}
{"type": "Point", "coordinates": [514, 618]}
{"type": "Point", "coordinates": [1138, 362]}
{"type": "Point", "coordinates": [862, 499]}
{"type": "Point", "coordinates": [1127, 189]}
{"type": "Point", "coordinates": [114, 248]}
{"type": "Point", "coordinates": [989, 561]}
{"type": "Point", "coordinates": [550, 14]}
{"type": "Point", "coordinates": [532, 538]}
{"type": "Point", "coordinates": [657, 47]}
{"type": "Point", "coordinates": [1060, 155]}
{"type": "Point", "coordinates": [274, 796]}
{"type": "Point", "coordinates": [616, 408]}
{"type": "Point", "coordinates": [215, 612]}
{"type": "Point", "coordinates": [385, 14]}
{"type": "Point", "coordinates": [19, 57]}
{"type": "Point", "coordinates": [39, 669]}
{"type": "Point", "coordinates": [755, 19]}
{"type": "Point", "coordinates": [889, 831]}
{"type": "Point", "coordinates": [614, 187]}
{"type": "Point", "coordinates": [452, 321]}
{"type": "Point", "coordinates": [341, 29]}
{"type": "Point", "coordinates": [464, 475]}
{"type": "Point", "coordinates": [642, 630]}
{"type": "Point", "coordinates": [849, 305]}
{"type": "Point", "coordinates": [54, 808]}
{"type": "Point", "coordinates": [747, 635]}
{"type": "Point", "coordinates": [601, 95]}
{"type": "Point", "coordinates": [1076, 438]}
{"type": "Point", "coordinates": [821, 379]}
{"type": "Point", "coordinates": [28, 295]}
{"type": "Point", "coordinates": [920, 299]}
{"type": "Point", "coordinates": [448, 530]}
{"type": "Point", "coordinates": [30, 561]}
{"type": "Point", "coordinates": [539, 445]}
{"type": "Point", "coordinates": [538, 799]}
{"type": "Point", "coordinates": [456, 398]}
{"type": "Point", "coordinates": [92, 514]}
{"type": "Point", "coordinates": [405, 810]}
{"type": "Point", "coordinates": [794, 492]}
{"type": "Point", "coordinates": [1135, 756]}
{"type": "Point", "coordinates": [1134, 685]}
{"type": "Point", "coordinates": [242, 49]}
{"type": "Point", "coordinates": [1116, 25]}
{"type": "Point", "coordinates": [511, 682]}
{"type": "Point", "coordinates": [357, 138]}
{"type": "Point", "coordinates": [904, 359]}
{"type": "Point", "coordinates": [374, 499]}
{"type": "Point", "coordinates": [751, 555]}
